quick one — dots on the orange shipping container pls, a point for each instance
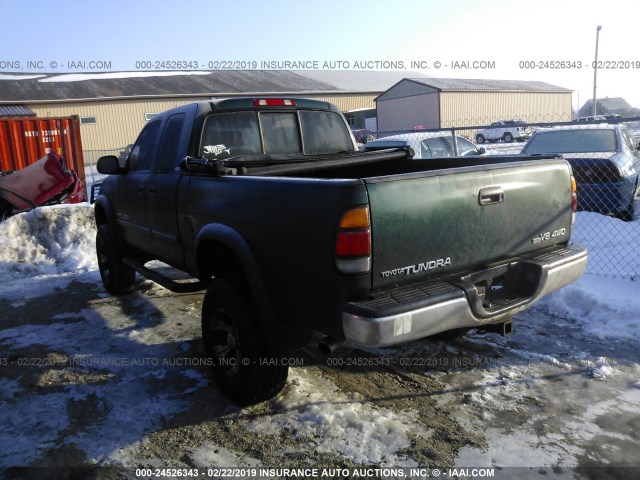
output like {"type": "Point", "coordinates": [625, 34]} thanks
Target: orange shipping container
{"type": "Point", "coordinates": [24, 141]}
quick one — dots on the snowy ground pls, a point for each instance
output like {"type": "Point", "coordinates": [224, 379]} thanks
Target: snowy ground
{"type": "Point", "coordinates": [90, 380]}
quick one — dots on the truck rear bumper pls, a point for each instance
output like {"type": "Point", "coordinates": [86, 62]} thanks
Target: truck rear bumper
{"type": "Point", "coordinates": [489, 296]}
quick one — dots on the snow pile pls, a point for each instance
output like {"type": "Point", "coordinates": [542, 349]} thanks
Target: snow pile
{"type": "Point", "coordinates": [48, 241]}
{"type": "Point", "coordinates": [605, 307]}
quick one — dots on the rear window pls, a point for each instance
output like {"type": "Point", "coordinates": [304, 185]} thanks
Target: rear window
{"type": "Point", "coordinates": [324, 132]}
{"type": "Point", "coordinates": [309, 132]}
{"type": "Point", "coordinates": [572, 141]}
{"type": "Point", "coordinates": [229, 134]}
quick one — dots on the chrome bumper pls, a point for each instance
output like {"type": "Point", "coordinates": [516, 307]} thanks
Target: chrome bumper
{"type": "Point", "coordinates": [450, 305]}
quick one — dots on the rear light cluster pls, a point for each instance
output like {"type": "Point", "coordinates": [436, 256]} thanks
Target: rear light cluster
{"type": "Point", "coordinates": [574, 199]}
{"type": "Point", "coordinates": [353, 241]}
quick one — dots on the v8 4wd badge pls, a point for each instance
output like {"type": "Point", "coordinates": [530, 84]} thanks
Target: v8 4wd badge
{"type": "Point", "coordinates": [543, 237]}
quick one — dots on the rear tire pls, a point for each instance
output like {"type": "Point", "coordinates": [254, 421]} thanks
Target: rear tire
{"type": "Point", "coordinates": [241, 363]}
{"type": "Point", "coordinates": [117, 277]}
{"type": "Point", "coordinates": [507, 137]}
{"type": "Point", "coordinates": [480, 138]}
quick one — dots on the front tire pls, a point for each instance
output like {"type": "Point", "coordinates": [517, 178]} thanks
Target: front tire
{"type": "Point", "coordinates": [480, 138]}
{"type": "Point", "coordinates": [117, 277]}
{"type": "Point", "coordinates": [6, 210]}
{"type": "Point", "coordinates": [507, 138]}
{"type": "Point", "coordinates": [240, 360]}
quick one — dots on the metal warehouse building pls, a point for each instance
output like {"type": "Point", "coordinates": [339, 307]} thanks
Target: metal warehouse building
{"type": "Point", "coordinates": [447, 102]}
{"type": "Point", "coordinates": [113, 107]}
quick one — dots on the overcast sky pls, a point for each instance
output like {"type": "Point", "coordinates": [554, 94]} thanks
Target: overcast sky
{"type": "Point", "coordinates": [497, 34]}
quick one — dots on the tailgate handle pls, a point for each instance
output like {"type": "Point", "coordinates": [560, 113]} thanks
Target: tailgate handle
{"type": "Point", "coordinates": [491, 196]}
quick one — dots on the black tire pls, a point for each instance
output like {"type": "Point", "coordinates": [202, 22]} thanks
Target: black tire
{"type": "Point", "coordinates": [629, 214]}
{"type": "Point", "coordinates": [235, 346]}
{"type": "Point", "coordinates": [6, 210]}
{"type": "Point", "coordinates": [507, 138]}
{"type": "Point", "coordinates": [480, 138]}
{"type": "Point", "coordinates": [117, 277]}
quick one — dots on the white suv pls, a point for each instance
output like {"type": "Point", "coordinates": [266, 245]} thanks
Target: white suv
{"type": "Point", "coordinates": [505, 130]}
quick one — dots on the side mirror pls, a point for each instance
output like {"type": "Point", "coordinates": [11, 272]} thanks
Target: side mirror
{"type": "Point", "coordinates": [638, 146]}
{"type": "Point", "coordinates": [369, 138]}
{"type": "Point", "coordinates": [108, 165]}
{"type": "Point", "coordinates": [482, 150]}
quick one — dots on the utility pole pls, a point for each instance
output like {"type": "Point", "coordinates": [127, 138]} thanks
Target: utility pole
{"type": "Point", "coordinates": [595, 71]}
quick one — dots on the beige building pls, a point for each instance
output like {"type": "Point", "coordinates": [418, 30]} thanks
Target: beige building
{"type": "Point", "coordinates": [444, 102]}
{"type": "Point", "coordinates": [113, 107]}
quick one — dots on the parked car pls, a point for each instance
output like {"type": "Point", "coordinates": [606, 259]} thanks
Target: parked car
{"type": "Point", "coordinates": [427, 145]}
{"type": "Point", "coordinates": [45, 182]}
{"type": "Point", "coordinates": [605, 161]}
{"type": "Point", "coordinates": [505, 130]}
{"type": "Point", "coordinates": [592, 118]}
{"type": "Point", "coordinates": [362, 135]}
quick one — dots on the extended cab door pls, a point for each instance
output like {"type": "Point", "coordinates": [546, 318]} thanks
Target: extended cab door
{"type": "Point", "coordinates": [162, 190]}
{"type": "Point", "coordinates": [132, 213]}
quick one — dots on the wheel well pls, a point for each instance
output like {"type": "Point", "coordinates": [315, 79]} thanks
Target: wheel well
{"type": "Point", "coordinates": [101, 215]}
{"type": "Point", "coordinates": [216, 259]}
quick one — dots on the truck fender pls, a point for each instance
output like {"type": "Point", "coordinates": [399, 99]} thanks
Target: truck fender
{"type": "Point", "coordinates": [231, 239]}
{"type": "Point", "coordinates": [104, 214]}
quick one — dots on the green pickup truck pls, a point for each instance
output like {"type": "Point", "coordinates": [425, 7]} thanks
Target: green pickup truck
{"type": "Point", "coordinates": [267, 204]}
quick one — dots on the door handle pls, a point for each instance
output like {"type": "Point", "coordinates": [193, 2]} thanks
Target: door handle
{"type": "Point", "coordinates": [490, 196]}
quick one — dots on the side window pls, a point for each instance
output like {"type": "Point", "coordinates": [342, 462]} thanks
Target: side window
{"type": "Point", "coordinates": [170, 143]}
{"type": "Point", "coordinates": [425, 152]}
{"type": "Point", "coordinates": [142, 152]}
{"type": "Point", "coordinates": [437, 147]}
{"type": "Point", "coordinates": [465, 147]}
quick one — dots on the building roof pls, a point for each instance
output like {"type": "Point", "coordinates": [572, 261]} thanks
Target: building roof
{"type": "Point", "coordinates": [615, 105]}
{"type": "Point", "coordinates": [119, 85]}
{"type": "Point", "coordinates": [459, 84]}
{"type": "Point", "coordinates": [16, 111]}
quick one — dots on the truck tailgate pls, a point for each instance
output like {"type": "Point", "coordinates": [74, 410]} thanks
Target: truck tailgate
{"type": "Point", "coordinates": [430, 223]}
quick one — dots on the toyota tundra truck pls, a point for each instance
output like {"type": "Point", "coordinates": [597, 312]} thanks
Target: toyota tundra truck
{"type": "Point", "coordinates": [267, 205]}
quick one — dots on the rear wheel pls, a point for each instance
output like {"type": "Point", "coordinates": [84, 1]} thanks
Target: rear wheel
{"type": "Point", "coordinates": [480, 138]}
{"type": "Point", "coordinates": [241, 363]}
{"type": "Point", "coordinates": [507, 137]}
{"type": "Point", "coordinates": [117, 277]}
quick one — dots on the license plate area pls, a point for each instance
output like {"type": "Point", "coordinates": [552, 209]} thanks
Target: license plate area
{"type": "Point", "coordinates": [496, 289]}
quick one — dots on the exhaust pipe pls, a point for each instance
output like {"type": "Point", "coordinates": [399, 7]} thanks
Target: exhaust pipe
{"type": "Point", "coordinates": [328, 345]}
{"type": "Point", "coordinates": [505, 328]}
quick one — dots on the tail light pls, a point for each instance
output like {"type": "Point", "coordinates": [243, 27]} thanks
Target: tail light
{"type": "Point", "coordinates": [353, 241]}
{"type": "Point", "coordinates": [574, 199]}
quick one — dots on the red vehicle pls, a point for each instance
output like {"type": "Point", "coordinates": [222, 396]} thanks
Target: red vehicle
{"type": "Point", "coordinates": [45, 182]}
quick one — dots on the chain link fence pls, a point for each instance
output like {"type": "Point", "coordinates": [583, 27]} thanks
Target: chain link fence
{"type": "Point", "coordinates": [93, 178]}
{"type": "Point", "coordinates": [605, 158]}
